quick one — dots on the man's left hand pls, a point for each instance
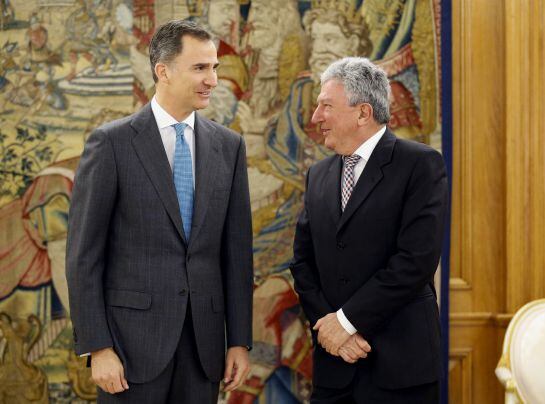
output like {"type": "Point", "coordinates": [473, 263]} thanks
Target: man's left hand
{"type": "Point", "coordinates": [237, 366]}
{"type": "Point", "coordinates": [331, 334]}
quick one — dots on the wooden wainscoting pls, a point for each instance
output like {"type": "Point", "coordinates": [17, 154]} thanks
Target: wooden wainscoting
{"type": "Point", "coordinates": [498, 197]}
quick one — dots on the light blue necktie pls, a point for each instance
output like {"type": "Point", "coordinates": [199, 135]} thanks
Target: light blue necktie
{"type": "Point", "coordinates": [183, 178]}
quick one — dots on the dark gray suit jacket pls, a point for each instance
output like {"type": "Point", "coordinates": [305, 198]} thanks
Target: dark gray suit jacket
{"type": "Point", "coordinates": [130, 269]}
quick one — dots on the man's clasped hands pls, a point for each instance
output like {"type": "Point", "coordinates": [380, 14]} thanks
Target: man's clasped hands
{"type": "Point", "coordinates": [338, 342]}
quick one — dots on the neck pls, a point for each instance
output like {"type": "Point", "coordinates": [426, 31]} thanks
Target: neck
{"type": "Point", "coordinates": [169, 104]}
{"type": "Point", "coordinates": [366, 133]}
{"type": "Point", "coordinates": [370, 131]}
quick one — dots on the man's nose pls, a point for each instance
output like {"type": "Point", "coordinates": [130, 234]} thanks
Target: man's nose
{"type": "Point", "coordinates": [211, 80]}
{"type": "Point", "coordinates": [317, 116]}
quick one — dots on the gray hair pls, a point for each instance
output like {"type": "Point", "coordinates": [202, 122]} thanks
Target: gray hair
{"type": "Point", "coordinates": [166, 43]}
{"type": "Point", "coordinates": [364, 82]}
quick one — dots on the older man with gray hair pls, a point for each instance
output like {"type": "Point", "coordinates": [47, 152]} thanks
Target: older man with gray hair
{"type": "Point", "coordinates": [366, 248]}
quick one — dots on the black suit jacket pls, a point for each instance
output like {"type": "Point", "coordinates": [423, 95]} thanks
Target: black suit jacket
{"type": "Point", "coordinates": [376, 260]}
{"type": "Point", "coordinates": [131, 269]}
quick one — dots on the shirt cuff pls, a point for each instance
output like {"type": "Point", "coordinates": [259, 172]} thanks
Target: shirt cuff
{"type": "Point", "coordinates": [83, 355]}
{"type": "Point", "coordinates": [347, 325]}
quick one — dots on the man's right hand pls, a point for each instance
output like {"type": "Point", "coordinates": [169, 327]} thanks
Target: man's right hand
{"type": "Point", "coordinates": [354, 349]}
{"type": "Point", "coordinates": [107, 371]}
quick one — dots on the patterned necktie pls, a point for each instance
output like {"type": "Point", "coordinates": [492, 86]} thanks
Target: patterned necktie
{"type": "Point", "coordinates": [183, 178]}
{"type": "Point", "coordinates": [348, 178]}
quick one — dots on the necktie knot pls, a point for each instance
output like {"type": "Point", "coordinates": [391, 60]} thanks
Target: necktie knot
{"type": "Point", "coordinates": [180, 128]}
{"type": "Point", "coordinates": [351, 161]}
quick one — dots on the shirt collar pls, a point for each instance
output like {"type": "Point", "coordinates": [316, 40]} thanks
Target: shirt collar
{"type": "Point", "coordinates": [164, 119]}
{"type": "Point", "coordinates": [367, 147]}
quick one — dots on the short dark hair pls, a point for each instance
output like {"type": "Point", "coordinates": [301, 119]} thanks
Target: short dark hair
{"type": "Point", "coordinates": [166, 43]}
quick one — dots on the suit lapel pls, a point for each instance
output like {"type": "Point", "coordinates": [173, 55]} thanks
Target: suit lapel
{"type": "Point", "coordinates": [207, 152]}
{"type": "Point", "coordinates": [332, 188]}
{"type": "Point", "coordinates": [370, 177]}
{"type": "Point", "coordinates": [150, 150]}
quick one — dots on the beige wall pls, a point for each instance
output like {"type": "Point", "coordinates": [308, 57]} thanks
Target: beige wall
{"type": "Point", "coordinates": [498, 196]}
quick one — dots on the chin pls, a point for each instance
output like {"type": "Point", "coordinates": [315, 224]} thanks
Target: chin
{"type": "Point", "coordinates": [201, 105]}
{"type": "Point", "coordinates": [329, 144]}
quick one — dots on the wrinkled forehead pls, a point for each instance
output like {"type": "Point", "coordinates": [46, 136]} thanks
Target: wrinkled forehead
{"type": "Point", "coordinates": [332, 90]}
{"type": "Point", "coordinates": [195, 50]}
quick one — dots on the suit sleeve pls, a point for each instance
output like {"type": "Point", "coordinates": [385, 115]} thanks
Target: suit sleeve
{"type": "Point", "coordinates": [237, 260]}
{"type": "Point", "coordinates": [93, 198]}
{"type": "Point", "coordinates": [304, 269]}
{"type": "Point", "coordinates": [417, 254]}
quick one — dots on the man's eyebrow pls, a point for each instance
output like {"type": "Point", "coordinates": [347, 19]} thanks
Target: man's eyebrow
{"type": "Point", "coordinates": [323, 99]}
{"type": "Point", "coordinates": [215, 66]}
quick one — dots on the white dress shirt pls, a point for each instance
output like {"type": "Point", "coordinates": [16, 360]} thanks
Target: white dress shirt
{"type": "Point", "coordinates": [168, 133]}
{"type": "Point", "coordinates": [364, 151]}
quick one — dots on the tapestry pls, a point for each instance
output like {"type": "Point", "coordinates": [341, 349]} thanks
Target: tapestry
{"type": "Point", "coordinates": [68, 66]}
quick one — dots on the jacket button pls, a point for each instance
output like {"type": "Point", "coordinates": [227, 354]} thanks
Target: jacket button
{"type": "Point", "coordinates": [182, 292]}
{"type": "Point", "coordinates": [341, 245]}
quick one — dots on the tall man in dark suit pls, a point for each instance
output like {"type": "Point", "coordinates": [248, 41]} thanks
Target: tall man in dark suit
{"type": "Point", "coordinates": [159, 254]}
{"type": "Point", "coordinates": [367, 246]}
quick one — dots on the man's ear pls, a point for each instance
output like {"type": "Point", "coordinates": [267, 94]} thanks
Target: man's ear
{"type": "Point", "coordinates": [161, 72]}
{"type": "Point", "coordinates": [365, 114]}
